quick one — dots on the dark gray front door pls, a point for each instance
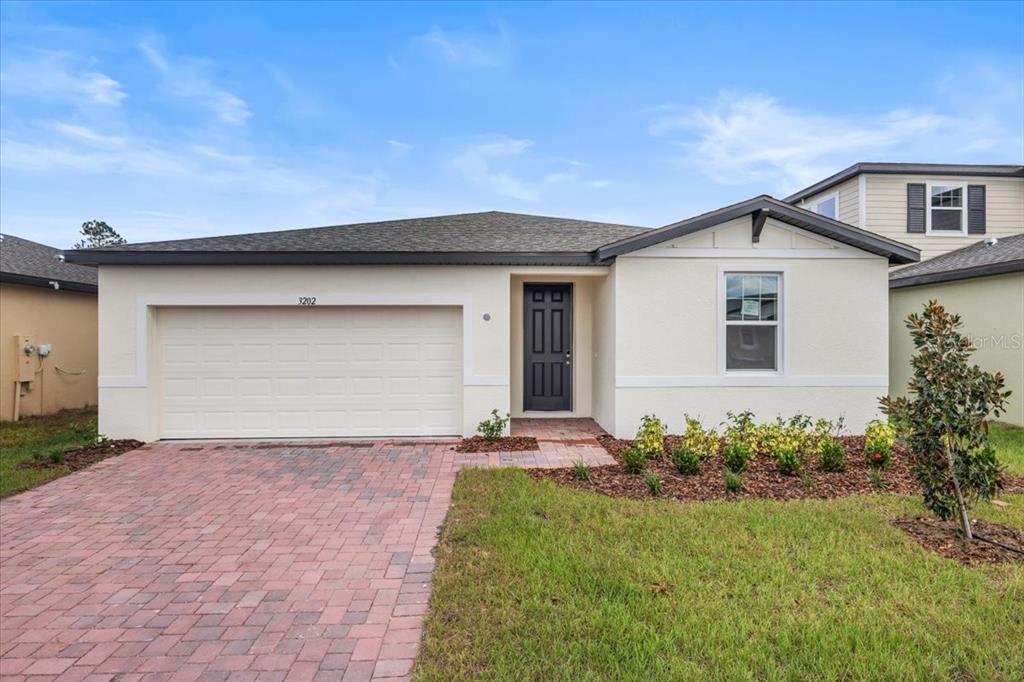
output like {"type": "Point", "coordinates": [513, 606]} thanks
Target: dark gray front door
{"type": "Point", "coordinates": [547, 346]}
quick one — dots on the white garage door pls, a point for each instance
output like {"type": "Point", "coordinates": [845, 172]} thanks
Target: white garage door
{"type": "Point", "coordinates": [255, 372]}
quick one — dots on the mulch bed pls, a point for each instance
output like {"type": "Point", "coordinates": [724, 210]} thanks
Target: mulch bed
{"type": "Point", "coordinates": [504, 444]}
{"type": "Point", "coordinates": [944, 538]}
{"type": "Point", "coordinates": [761, 480]}
{"type": "Point", "coordinates": [80, 458]}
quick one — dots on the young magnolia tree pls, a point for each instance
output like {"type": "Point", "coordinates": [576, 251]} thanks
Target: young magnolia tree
{"type": "Point", "coordinates": [944, 418]}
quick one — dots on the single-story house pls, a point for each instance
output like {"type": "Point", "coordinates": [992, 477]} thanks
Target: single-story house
{"type": "Point", "coordinates": [48, 358]}
{"type": "Point", "coordinates": [984, 284]}
{"type": "Point", "coordinates": [422, 327]}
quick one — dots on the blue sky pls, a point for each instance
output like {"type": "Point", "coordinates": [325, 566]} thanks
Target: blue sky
{"type": "Point", "coordinates": [177, 120]}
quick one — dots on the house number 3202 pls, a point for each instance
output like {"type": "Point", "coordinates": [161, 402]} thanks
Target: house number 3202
{"type": "Point", "coordinates": [307, 300]}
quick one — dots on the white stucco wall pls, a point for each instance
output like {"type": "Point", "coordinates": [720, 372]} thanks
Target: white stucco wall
{"type": "Point", "coordinates": [129, 380]}
{"type": "Point", "coordinates": [667, 319]}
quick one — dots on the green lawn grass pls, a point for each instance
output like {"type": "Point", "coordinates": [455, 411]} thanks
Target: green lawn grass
{"type": "Point", "coordinates": [1009, 443]}
{"type": "Point", "coordinates": [536, 581]}
{"type": "Point", "coordinates": [42, 436]}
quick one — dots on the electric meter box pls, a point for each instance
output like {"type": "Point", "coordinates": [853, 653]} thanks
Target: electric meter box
{"type": "Point", "coordinates": [25, 349]}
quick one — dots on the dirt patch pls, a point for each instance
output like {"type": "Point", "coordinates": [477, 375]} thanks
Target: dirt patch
{"type": "Point", "coordinates": [80, 458]}
{"type": "Point", "coordinates": [944, 538]}
{"type": "Point", "coordinates": [505, 444]}
{"type": "Point", "coordinates": [761, 480]}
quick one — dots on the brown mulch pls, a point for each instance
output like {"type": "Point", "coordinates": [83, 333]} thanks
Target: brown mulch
{"type": "Point", "coordinates": [761, 480]}
{"type": "Point", "coordinates": [945, 538]}
{"type": "Point", "coordinates": [504, 444]}
{"type": "Point", "coordinates": [87, 455]}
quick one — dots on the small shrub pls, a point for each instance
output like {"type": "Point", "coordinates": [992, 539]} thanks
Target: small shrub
{"type": "Point", "coordinates": [733, 482]}
{"type": "Point", "coordinates": [703, 442]}
{"type": "Point", "coordinates": [877, 482]}
{"type": "Point", "coordinates": [494, 428]}
{"type": "Point", "coordinates": [740, 428]}
{"type": "Point", "coordinates": [633, 460]}
{"type": "Point", "coordinates": [737, 456]}
{"type": "Point", "coordinates": [807, 480]}
{"type": "Point", "coordinates": [38, 455]}
{"type": "Point", "coordinates": [581, 471]}
{"type": "Point", "coordinates": [832, 456]}
{"type": "Point", "coordinates": [654, 484]}
{"type": "Point", "coordinates": [57, 457]}
{"type": "Point", "coordinates": [650, 439]}
{"type": "Point", "coordinates": [687, 461]}
{"type": "Point", "coordinates": [788, 461]}
{"type": "Point", "coordinates": [879, 438]}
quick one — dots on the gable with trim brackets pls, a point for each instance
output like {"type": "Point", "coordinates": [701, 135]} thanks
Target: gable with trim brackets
{"type": "Point", "coordinates": [733, 239]}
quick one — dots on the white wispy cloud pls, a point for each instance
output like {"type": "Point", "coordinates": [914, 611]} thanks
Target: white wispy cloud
{"type": "Point", "coordinates": [469, 49]}
{"type": "Point", "coordinates": [476, 164]}
{"type": "Point", "coordinates": [59, 75]}
{"type": "Point", "coordinates": [743, 138]}
{"type": "Point", "coordinates": [85, 134]}
{"type": "Point", "coordinates": [188, 79]}
{"type": "Point", "coordinates": [399, 148]}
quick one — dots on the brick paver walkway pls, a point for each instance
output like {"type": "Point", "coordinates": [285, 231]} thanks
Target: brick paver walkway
{"type": "Point", "coordinates": [187, 561]}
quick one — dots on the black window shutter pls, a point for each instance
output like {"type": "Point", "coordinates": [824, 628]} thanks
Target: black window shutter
{"type": "Point", "coordinates": [915, 207]}
{"type": "Point", "coordinates": [975, 209]}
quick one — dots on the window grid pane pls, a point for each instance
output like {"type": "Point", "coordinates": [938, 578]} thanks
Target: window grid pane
{"type": "Point", "coordinates": [751, 298]}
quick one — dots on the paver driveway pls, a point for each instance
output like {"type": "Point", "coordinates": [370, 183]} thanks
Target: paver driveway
{"type": "Point", "coordinates": [233, 561]}
{"type": "Point", "coordinates": [215, 562]}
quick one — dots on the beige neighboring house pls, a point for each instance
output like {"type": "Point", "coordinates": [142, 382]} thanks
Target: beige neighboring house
{"type": "Point", "coordinates": [984, 283]}
{"type": "Point", "coordinates": [421, 327]}
{"type": "Point", "coordinates": [48, 330]}
{"type": "Point", "coordinates": [948, 212]}
{"type": "Point", "coordinates": [936, 208]}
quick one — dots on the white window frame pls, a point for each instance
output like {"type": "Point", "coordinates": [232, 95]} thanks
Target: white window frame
{"type": "Point", "coordinates": [781, 323]}
{"type": "Point", "coordinates": [953, 184]}
{"type": "Point", "coordinates": [813, 206]}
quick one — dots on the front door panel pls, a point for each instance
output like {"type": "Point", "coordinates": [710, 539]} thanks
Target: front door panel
{"type": "Point", "coordinates": [547, 346]}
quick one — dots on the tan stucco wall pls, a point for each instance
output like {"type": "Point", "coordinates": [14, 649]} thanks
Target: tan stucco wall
{"type": "Point", "coordinates": [67, 321]}
{"type": "Point", "coordinates": [583, 359]}
{"type": "Point", "coordinates": [835, 328]}
{"type": "Point", "coordinates": [992, 310]}
{"type": "Point", "coordinates": [129, 407]}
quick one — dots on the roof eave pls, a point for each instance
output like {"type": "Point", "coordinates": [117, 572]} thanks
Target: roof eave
{"type": "Point", "coordinates": [896, 252]}
{"type": "Point", "coordinates": [957, 275]}
{"type": "Point", "coordinates": [967, 170]}
{"type": "Point", "coordinates": [127, 257]}
{"type": "Point", "coordinates": [47, 282]}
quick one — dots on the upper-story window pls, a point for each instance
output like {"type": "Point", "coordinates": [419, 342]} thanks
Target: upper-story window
{"type": "Point", "coordinates": [946, 203]}
{"type": "Point", "coordinates": [827, 206]}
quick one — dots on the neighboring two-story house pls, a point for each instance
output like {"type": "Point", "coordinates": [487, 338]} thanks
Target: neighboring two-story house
{"type": "Point", "coordinates": [968, 223]}
{"type": "Point", "coordinates": [935, 208]}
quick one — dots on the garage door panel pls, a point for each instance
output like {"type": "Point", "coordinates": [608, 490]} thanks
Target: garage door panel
{"type": "Point", "coordinates": [310, 372]}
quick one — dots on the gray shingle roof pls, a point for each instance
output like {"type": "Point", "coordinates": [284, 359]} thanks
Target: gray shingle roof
{"type": "Point", "coordinates": [488, 232]}
{"type": "Point", "coordinates": [27, 262]}
{"type": "Point", "coordinates": [977, 260]}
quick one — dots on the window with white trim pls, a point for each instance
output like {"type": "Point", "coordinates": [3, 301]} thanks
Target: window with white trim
{"type": "Point", "coordinates": [827, 206]}
{"type": "Point", "coordinates": [752, 327]}
{"type": "Point", "coordinates": [946, 208]}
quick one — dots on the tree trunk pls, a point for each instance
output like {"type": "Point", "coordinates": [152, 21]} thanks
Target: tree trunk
{"type": "Point", "coordinates": [965, 521]}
